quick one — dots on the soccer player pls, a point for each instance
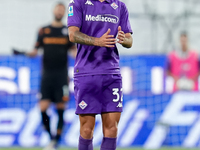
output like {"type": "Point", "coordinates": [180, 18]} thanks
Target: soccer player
{"type": "Point", "coordinates": [97, 25]}
{"type": "Point", "coordinates": [183, 66]}
{"type": "Point", "coordinates": [55, 42]}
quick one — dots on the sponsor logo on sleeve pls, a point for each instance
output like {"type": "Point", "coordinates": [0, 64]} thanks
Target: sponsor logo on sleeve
{"type": "Point", "coordinates": [71, 11]}
{"type": "Point", "coordinates": [114, 5]}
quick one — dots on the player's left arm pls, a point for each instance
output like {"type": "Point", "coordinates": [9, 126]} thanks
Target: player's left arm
{"type": "Point", "coordinates": [125, 39]}
{"type": "Point", "coordinates": [71, 47]}
{"type": "Point", "coordinates": [124, 29]}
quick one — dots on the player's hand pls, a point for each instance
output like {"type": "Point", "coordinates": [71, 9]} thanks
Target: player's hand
{"type": "Point", "coordinates": [121, 36]}
{"type": "Point", "coordinates": [107, 40]}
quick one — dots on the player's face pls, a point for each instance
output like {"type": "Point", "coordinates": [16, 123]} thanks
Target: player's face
{"type": "Point", "coordinates": [184, 41]}
{"type": "Point", "coordinates": [59, 12]}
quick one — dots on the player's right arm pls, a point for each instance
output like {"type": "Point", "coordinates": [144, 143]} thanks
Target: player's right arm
{"type": "Point", "coordinates": [75, 19]}
{"type": "Point", "coordinates": [38, 44]}
{"type": "Point", "coordinates": [105, 40]}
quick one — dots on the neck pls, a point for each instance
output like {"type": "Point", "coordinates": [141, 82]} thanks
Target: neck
{"type": "Point", "coordinates": [57, 23]}
{"type": "Point", "coordinates": [101, 0]}
{"type": "Point", "coordinates": [184, 48]}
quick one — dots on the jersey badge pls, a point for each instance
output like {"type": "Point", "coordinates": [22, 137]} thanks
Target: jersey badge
{"type": "Point", "coordinates": [82, 104]}
{"type": "Point", "coordinates": [89, 3]}
{"type": "Point", "coordinates": [71, 1]}
{"type": "Point", "coordinates": [47, 30]}
{"type": "Point", "coordinates": [71, 11]}
{"type": "Point", "coordinates": [114, 5]}
{"type": "Point", "coordinates": [64, 31]}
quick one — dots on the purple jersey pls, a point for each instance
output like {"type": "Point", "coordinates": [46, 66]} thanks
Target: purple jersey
{"type": "Point", "coordinates": [94, 18]}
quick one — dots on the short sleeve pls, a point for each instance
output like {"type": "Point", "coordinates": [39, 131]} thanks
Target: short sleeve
{"type": "Point", "coordinates": [124, 20]}
{"type": "Point", "coordinates": [39, 42]}
{"type": "Point", "coordinates": [75, 14]}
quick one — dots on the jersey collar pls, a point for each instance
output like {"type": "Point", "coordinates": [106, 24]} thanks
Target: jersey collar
{"type": "Point", "coordinates": [109, 1]}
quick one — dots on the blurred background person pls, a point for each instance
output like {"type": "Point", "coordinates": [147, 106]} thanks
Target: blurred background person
{"type": "Point", "coordinates": [183, 66]}
{"type": "Point", "coordinates": [55, 42]}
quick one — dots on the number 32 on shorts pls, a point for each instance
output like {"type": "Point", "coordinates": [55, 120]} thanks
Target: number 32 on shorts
{"type": "Point", "coordinates": [116, 93]}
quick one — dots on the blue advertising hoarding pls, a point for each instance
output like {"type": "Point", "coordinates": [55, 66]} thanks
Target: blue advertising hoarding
{"type": "Point", "coordinates": [152, 116]}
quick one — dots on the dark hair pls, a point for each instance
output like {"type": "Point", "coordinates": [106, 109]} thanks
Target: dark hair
{"type": "Point", "coordinates": [183, 33]}
{"type": "Point", "coordinates": [60, 4]}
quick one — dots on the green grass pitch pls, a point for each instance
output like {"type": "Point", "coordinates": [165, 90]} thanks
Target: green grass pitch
{"type": "Point", "coordinates": [169, 148]}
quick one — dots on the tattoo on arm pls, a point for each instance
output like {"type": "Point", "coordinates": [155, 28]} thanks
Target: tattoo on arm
{"type": "Point", "coordinates": [82, 38]}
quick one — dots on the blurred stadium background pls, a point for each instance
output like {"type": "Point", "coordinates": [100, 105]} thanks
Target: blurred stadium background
{"type": "Point", "coordinates": [153, 117]}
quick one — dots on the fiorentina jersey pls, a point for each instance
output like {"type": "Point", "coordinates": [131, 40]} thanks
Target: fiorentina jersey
{"type": "Point", "coordinates": [94, 18]}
